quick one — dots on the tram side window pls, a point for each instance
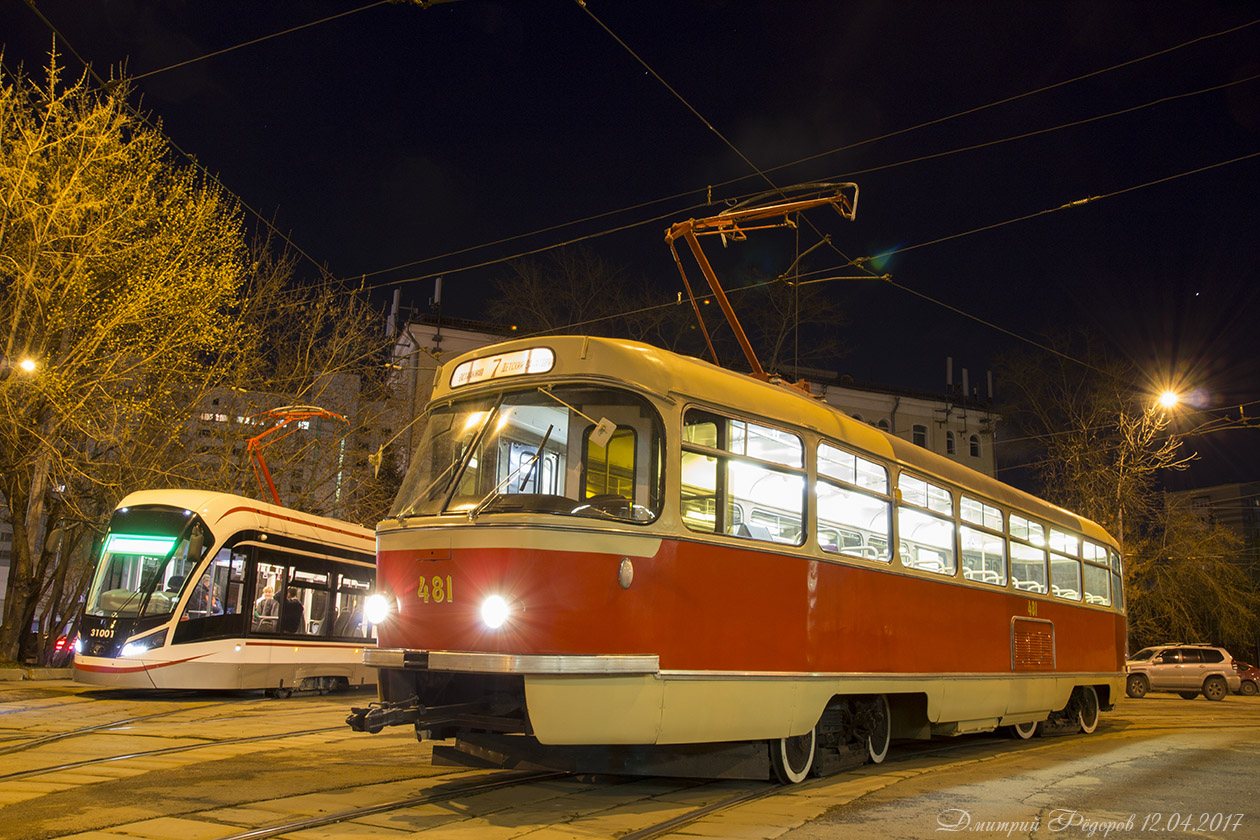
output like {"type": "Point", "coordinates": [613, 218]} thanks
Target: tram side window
{"type": "Point", "coordinates": [306, 601]}
{"type": "Point", "coordinates": [1065, 569]}
{"type": "Point", "coordinates": [1117, 582]}
{"type": "Point", "coordinates": [215, 593]}
{"type": "Point", "coordinates": [347, 619]}
{"type": "Point", "coordinates": [983, 542]}
{"type": "Point", "coordinates": [852, 519]}
{"type": "Point", "coordinates": [213, 608]}
{"type": "Point", "coordinates": [268, 591]}
{"type": "Point", "coordinates": [743, 479]}
{"type": "Point", "coordinates": [1028, 555]}
{"type": "Point", "coordinates": [927, 536]}
{"type": "Point", "coordinates": [1095, 578]}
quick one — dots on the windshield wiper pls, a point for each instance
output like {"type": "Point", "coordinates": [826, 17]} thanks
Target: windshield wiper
{"type": "Point", "coordinates": [494, 494]}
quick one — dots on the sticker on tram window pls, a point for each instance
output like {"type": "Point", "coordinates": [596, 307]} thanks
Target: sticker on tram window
{"type": "Point", "coordinates": [516, 363]}
{"type": "Point", "coordinates": [437, 589]}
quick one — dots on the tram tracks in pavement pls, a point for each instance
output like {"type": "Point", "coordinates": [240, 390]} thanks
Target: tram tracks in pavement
{"type": "Point", "coordinates": [88, 762]}
{"type": "Point", "coordinates": [448, 793]}
{"type": "Point", "coordinates": [268, 705]}
{"type": "Point", "coordinates": [451, 792]}
{"type": "Point", "coordinates": [86, 730]}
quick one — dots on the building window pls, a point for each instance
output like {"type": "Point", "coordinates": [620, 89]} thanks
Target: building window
{"type": "Point", "coordinates": [919, 435]}
{"type": "Point", "coordinates": [883, 425]}
{"type": "Point", "coordinates": [974, 442]}
{"type": "Point", "coordinates": [951, 446]}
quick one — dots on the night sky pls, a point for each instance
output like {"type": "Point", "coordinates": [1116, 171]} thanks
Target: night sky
{"type": "Point", "coordinates": [387, 140]}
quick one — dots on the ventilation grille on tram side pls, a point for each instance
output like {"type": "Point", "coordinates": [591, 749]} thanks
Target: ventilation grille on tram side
{"type": "Point", "coordinates": [1032, 644]}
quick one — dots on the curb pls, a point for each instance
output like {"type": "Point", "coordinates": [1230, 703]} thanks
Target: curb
{"type": "Point", "coordinates": [16, 674]}
{"type": "Point", "coordinates": [49, 673]}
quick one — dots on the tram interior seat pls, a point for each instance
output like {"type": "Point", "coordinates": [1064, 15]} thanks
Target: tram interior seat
{"type": "Point", "coordinates": [984, 575]}
{"type": "Point", "coordinates": [1095, 599]}
{"type": "Point", "coordinates": [347, 624]}
{"type": "Point", "coordinates": [1028, 585]}
{"type": "Point", "coordinates": [1070, 594]}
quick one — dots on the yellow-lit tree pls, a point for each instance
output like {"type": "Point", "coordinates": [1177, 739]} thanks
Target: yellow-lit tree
{"type": "Point", "coordinates": [116, 266]}
{"type": "Point", "coordinates": [126, 280]}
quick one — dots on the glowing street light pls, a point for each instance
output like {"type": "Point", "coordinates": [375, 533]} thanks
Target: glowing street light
{"type": "Point", "coordinates": [1169, 398]}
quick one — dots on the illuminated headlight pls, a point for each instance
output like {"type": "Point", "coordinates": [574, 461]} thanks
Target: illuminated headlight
{"type": "Point", "coordinates": [494, 611]}
{"type": "Point", "coordinates": [139, 646]}
{"type": "Point", "coordinates": [378, 607]}
{"type": "Point", "coordinates": [78, 645]}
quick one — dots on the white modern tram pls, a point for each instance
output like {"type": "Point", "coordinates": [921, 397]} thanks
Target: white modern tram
{"type": "Point", "coordinates": [202, 590]}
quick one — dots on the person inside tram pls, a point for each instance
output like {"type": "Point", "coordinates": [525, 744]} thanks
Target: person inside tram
{"type": "Point", "coordinates": [266, 611]}
{"type": "Point", "coordinates": [292, 619]}
{"type": "Point", "coordinates": [216, 603]}
{"type": "Point", "coordinates": [199, 600]}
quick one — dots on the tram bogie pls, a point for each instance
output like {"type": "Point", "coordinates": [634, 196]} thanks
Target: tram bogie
{"type": "Point", "coordinates": [728, 561]}
{"type": "Point", "coordinates": [203, 590]}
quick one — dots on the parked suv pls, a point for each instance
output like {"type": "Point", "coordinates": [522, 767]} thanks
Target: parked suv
{"type": "Point", "coordinates": [1187, 669]}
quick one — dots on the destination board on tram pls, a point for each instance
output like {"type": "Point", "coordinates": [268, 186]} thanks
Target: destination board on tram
{"type": "Point", "coordinates": [515, 363]}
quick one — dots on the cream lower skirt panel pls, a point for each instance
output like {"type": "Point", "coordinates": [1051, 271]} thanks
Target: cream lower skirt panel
{"type": "Point", "coordinates": [673, 708]}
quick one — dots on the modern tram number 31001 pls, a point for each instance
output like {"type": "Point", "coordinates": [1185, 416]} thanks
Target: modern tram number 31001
{"type": "Point", "coordinates": [437, 589]}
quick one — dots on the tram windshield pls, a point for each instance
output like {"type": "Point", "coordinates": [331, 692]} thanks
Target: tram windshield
{"type": "Point", "coordinates": [566, 450]}
{"type": "Point", "coordinates": [148, 556]}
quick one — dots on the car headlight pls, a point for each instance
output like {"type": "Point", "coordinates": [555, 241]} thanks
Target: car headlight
{"type": "Point", "coordinates": [379, 607]}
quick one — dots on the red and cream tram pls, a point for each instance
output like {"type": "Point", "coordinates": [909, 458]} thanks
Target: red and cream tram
{"type": "Point", "coordinates": [203, 590]}
{"type": "Point", "coordinates": [602, 543]}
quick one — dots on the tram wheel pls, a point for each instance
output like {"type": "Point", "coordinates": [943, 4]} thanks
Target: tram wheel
{"type": "Point", "coordinates": [793, 758]}
{"type": "Point", "coordinates": [281, 693]}
{"type": "Point", "coordinates": [880, 739]}
{"type": "Point", "coordinates": [1022, 731]}
{"type": "Point", "coordinates": [1085, 699]}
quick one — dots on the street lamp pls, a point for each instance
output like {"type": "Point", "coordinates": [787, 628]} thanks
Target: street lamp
{"type": "Point", "coordinates": [1169, 398]}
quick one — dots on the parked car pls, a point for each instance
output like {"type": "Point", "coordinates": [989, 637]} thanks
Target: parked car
{"type": "Point", "coordinates": [1187, 669]}
{"type": "Point", "coordinates": [1250, 676]}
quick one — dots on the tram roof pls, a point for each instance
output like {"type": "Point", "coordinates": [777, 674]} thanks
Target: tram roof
{"type": "Point", "coordinates": [669, 374]}
{"type": "Point", "coordinates": [214, 507]}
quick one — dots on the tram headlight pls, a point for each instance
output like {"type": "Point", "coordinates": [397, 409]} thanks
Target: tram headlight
{"type": "Point", "coordinates": [139, 646]}
{"type": "Point", "coordinates": [78, 644]}
{"type": "Point", "coordinates": [378, 607]}
{"type": "Point", "coordinates": [494, 611]}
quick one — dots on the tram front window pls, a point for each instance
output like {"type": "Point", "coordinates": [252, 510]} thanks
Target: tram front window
{"type": "Point", "coordinates": [592, 452]}
{"type": "Point", "coordinates": [146, 559]}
